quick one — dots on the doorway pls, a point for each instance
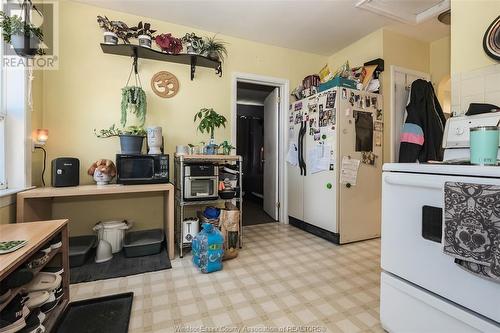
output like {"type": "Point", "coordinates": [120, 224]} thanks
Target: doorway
{"type": "Point", "coordinates": [258, 114]}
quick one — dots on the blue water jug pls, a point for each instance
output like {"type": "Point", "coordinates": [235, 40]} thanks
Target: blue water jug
{"type": "Point", "coordinates": [207, 248]}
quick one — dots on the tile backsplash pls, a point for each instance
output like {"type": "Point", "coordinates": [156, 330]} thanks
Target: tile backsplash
{"type": "Point", "coordinates": [478, 86]}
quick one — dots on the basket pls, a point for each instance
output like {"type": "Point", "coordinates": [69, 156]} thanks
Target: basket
{"type": "Point", "coordinates": [204, 219]}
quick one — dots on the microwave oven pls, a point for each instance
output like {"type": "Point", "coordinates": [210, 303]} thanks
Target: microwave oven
{"type": "Point", "coordinates": [201, 182]}
{"type": "Point", "coordinates": [141, 169]}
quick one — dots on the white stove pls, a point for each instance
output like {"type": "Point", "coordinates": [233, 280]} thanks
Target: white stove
{"type": "Point", "coordinates": [422, 289]}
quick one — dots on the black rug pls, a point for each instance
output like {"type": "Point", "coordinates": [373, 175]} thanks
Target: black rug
{"type": "Point", "coordinates": [119, 266]}
{"type": "Point", "coordinates": [110, 314]}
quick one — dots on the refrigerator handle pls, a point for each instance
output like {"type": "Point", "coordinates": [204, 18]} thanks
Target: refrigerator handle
{"type": "Point", "coordinates": [302, 149]}
{"type": "Point", "coordinates": [299, 148]}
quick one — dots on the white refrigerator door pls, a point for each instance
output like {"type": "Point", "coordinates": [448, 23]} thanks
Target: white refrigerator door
{"type": "Point", "coordinates": [320, 189]}
{"type": "Point", "coordinates": [359, 212]}
{"type": "Point", "coordinates": [407, 254]}
{"type": "Point", "coordinates": [295, 180]}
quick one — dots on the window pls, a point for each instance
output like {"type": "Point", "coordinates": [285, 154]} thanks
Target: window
{"type": "Point", "coordinates": [3, 118]}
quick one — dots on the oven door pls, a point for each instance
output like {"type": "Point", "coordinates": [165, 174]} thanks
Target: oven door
{"type": "Point", "coordinates": [411, 248]}
{"type": "Point", "coordinates": [199, 188]}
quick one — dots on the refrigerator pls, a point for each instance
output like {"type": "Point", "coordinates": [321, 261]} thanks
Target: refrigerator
{"type": "Point", "coordinates": [334, 163]}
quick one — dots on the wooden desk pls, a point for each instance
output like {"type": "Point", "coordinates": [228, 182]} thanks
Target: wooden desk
{"type": "Point", "coordinates": [37, 234]}
{"type": "Point", "coordinates": [36, 204]}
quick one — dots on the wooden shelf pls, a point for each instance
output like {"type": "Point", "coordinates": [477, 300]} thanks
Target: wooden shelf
{"type": "Point", "coordinates": [209, 158]}
{"type": "Point", "coordinates": [136, 51]}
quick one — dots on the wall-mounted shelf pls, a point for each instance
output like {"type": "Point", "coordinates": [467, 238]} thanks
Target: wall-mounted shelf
{"type": "Point", "coordinates": [136, 51]}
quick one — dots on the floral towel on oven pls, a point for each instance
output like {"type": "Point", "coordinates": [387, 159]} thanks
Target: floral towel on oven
{"type": "Point", "coordinates": [471, 228]}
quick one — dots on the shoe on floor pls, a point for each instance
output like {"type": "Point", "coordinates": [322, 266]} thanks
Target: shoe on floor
{"type": "Point", "coordinates": [56, 242]}
{"type": "Point", "coordinates": [56, 270]}
{"type": "Point", "coordinates": [13, 316]}
{"type": "Point", "coordinates": [32, 322]}
{"type": "Point", "coordinates": [16, 279]}
{"type": "Point", "coordinates": [39, 259]}
{"type": "Point", "coordinates": [50, 304]}
{"type": "Point", "coordinates": [36, 299]}
{"type": "Point", "coordinates": [44, 281]}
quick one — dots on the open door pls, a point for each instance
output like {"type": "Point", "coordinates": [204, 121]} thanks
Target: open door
{"type": "Point", "coordinates": [270, 160]}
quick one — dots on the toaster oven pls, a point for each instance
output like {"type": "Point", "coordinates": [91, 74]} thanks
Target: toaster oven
{"type": "Point", "coordinates": [201, 181]}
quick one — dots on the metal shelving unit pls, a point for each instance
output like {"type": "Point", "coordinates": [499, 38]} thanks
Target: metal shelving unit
{"type": "Point", "coordinates": [181, 203]}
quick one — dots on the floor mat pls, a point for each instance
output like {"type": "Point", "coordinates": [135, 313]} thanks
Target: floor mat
{"type": "Point", "coordinates": [119, 266]}
{"type": "Point", "coordinates": [110, 314]}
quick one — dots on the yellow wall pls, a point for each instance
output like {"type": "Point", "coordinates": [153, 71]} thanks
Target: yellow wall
{"type": "Point", "coordinates": [395, 49]}
{"type": "Point", "coordinates": [440, 59]}
{"type": "Point", "coordinates": [365, 49]}
{"type": "Point", "coordinates": [470, 19]}
{"type": "Point", "coordinates": [85, 94]}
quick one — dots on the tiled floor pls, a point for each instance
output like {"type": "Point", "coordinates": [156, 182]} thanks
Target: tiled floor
{"type": "Point", "coordinates": [282, 277]}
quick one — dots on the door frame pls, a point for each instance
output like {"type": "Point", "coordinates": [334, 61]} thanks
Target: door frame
{"type": "Point", "coordinates": [284, 88]}
{"type": "Point", "coordinates": [403, 70]}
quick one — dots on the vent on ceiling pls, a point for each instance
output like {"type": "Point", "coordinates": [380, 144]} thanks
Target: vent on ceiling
{"type": "Point", "coordinates": [410, 11]}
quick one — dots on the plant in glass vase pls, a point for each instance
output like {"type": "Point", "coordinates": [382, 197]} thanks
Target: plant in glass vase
{"type": "Point", "coordinates": [209, 120]}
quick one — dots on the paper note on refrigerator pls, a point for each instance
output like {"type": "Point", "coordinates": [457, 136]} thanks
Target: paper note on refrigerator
{"type": "Point", "coordinates": [293, 155]}
{"type": "Point", "coordinates": [349, 170]}
{"type": "Point", "coordinates": [319, 158]}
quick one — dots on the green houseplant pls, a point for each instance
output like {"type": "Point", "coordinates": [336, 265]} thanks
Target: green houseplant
{"type": "Point", "coordinates": [131, 137]}
{"type": "Point", "coordinates": [226, 147]}
{"type": "Point", "coordinates": [215, 49]}
{"type": "Point", "coordinates": [134, 100]}
{"type": "Point", "coordinates": [208, 121]}
{"type": "Point", "coordinates": [144, 34]}
{"type": "Point", "coordinates": [24, 37]}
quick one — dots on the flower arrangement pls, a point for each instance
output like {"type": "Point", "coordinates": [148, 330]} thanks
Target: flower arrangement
{"type": "Point", "coordinates": [169, 43]}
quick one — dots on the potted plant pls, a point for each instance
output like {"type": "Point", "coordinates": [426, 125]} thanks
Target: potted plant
{"type": "Point", "coordinates": [226, 147]}
{"type": "Point", "coordinates": [114, 30]}
{"type": "Point", "coordinates": [194, 44]}
{"type": "Point", "coordinates": [144, 34]}
{"type": "Point", "coordinates": [24, 37]}
{"type": "Point", "coordinates": [215, 49]}
{"type": "Point", "coordinates": [209, 120]}
{"type": "Point", "coordinates": [131, 137]}
{"type": "Point", "coordinates": [169, 43]}
{"type": "Point", "coordinates": [134, 100]}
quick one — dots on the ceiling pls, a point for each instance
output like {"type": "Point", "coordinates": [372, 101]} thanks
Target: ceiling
{"type": "Point", "coordinates": [252, 94]}
{"type": "Point", "coordinates": [317, 26]}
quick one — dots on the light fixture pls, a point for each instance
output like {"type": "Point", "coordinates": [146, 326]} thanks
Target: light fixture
{"type": "Point", "coordinates": [39, 140]}
{"type": "Point", "coordinates": [445, 17]}
{"type": "Point", "coordinates": [41, 136]}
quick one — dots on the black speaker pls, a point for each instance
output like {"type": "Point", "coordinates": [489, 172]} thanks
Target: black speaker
{"type": "Point", "coordinates": [65, 172]}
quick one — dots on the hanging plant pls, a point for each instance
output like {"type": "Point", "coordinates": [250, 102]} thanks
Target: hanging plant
{"type": "Point", "coordinates": [24, 37]}
{"type": "Point", "coordinates": [133, 99]}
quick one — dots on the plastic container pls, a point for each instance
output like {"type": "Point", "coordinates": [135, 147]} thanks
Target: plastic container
{"type": "Point", "coordinates": [484, 145]}
{"type": "Point", "coordinates": [143, 243]}
{"type": "Point", "coordinates": [337, 82]}
{"type": "Point", "coordinates": [79, 249]}
{"type": "Point", "coordinates": [112, 232]}
{"type": "Point", "coordinates": [104, 252]}
{"type": "Point", "coordinates": [208, 249]}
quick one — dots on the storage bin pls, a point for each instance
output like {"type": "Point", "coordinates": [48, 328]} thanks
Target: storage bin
{"type": "Point", "coordinates": [204, 219]}
{"type": "Point", "coordinates": [337, 82]}
{"type": "Point", "coordinates": [79, 249]}
{"type": "Point", "coordinates": [112, 232]}
{"type": "Point", "coordinates": [143, 243]}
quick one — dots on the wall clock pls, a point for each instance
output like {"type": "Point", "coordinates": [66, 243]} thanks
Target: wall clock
{"type": "Point", "coordinates": [165, 84]}
{"type": "Point", "coordinates": [491, 40]}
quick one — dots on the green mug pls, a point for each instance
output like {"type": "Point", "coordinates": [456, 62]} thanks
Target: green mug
{"type": "Point", "coordinates": [484, 141]}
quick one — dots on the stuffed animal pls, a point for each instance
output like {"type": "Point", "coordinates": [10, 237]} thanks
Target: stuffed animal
{"type": "Point", "coordinates": [103, 171]}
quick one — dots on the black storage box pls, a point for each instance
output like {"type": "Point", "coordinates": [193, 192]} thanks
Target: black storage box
{"type": "Point", "coordinates": [65, 172]}
{"type": "Point", "coordinates": [80, 249]}
{"type": "Point", "coordinates": [143, 243]}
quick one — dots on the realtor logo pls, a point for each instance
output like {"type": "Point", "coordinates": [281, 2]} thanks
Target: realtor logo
{"type": "Point", "coordinates": [30, 32]}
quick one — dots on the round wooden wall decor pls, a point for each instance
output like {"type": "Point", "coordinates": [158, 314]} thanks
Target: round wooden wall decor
{"type": "Point", "coordinates": [165, 84]}
{"type": "Point", "coordinates": [491, 41]}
